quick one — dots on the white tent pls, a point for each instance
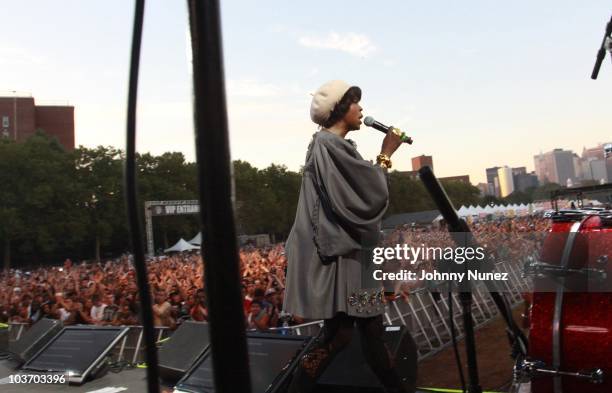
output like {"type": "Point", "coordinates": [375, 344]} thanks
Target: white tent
{"type": "Point", "coordinates": [182, 246]}
{"type": "Point", "coordinates": [463, 211]}
{"type": "Point", "coordinates": [197, 240]}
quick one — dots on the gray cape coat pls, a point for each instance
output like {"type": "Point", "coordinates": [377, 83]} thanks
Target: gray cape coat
{"type": "Point", "coordinates": [358, 194]}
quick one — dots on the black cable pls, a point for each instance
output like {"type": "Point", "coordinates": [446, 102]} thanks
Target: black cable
{"type": "Point", "coordinates": [132, 207]}
{"type": "Point", "coordinates": [219, 249]}
{"type": "Point", "coordinates": [454, 338]}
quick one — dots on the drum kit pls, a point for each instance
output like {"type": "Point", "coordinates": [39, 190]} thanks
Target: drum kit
{"type": "Point", "coordinates": [570, 310]}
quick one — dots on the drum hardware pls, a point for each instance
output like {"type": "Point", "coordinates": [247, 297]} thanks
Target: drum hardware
{"type": "Point", "coordinates": [542, 269]}
{"type": "Point", "coordinates": [526, 369]}
{"type": "Point", "coordinates": [568, 215]}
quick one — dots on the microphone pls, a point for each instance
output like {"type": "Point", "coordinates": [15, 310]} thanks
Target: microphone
{"type": "Point", "coordinates": [370, 122]}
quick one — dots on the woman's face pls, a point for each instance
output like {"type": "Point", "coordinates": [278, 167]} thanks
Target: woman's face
{"type": "Point", "coordinates": [353, 116]}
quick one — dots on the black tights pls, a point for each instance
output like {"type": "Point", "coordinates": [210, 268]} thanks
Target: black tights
{"type": "Point", "coordinates": [337, 334]}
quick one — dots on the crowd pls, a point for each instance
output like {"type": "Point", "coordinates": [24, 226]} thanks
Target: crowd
{"type": "Point", "coordinates": [106, 293]}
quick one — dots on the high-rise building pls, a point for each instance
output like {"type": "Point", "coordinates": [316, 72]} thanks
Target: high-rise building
{"type": "Point", "coordinates": [21, 117]}
{"type": "Point", "coordinates": [506, 181]}
{"type": "Point", "coordinates": [595, 165]}
{"type": "Point", "coordinates": [523, 181]}
{"type": "Point", "coordinates": [556, 166]}
{"type": "Point", "coordinates": [491, 180]}
{"type": "Point", "coordinates": [421, 161]}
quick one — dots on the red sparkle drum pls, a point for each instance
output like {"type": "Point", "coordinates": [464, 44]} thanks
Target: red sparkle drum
{"type": "Point", "coordinates": [570, 320]}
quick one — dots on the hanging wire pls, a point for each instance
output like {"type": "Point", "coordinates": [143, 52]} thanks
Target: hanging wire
{"type": "Point", "coordinates": [219, 249]}
{"type": "Point", "coordinates": [132, 207]}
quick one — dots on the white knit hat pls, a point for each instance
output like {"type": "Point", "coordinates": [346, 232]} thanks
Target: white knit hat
{"type": "Point", "coordinates": [325, 99]}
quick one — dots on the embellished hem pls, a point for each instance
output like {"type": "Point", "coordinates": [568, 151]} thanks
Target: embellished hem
{"type": "Point", "coordinates": [366, 302]}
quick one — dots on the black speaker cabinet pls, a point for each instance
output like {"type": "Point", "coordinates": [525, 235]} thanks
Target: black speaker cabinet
{"type": "Point", "coordinates": [35, 338]}
{"type": "Point", "coordinates": [183, 348]}
{"type": "Point", "coordinates": [349, 371]}
{"type": "Point", "coordinates": [4, 338]}
{"type": "Point", "coordinates": [80, 351]}
{"type": "Point", "coordinates": [272, 359]}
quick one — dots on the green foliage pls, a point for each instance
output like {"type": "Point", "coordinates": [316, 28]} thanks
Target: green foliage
{"type": "Point", "coordinates": [407, 195]}
{"type": "Point", "coordinates": [266, 199]}
{"type": "Point", "coordinates": [519, 197]}
{"type": "Point", "coordinates": [461, 193]}
{"type": "Point", "coordinates": [56, 204]}
{"type": "Point", "coordinates": [543, 192]}
{"type": "Point", "coordinates": [490, 199]}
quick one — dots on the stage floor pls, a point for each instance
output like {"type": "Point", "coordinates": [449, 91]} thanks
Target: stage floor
{"type": "Point", "coordinates": [134, 380]}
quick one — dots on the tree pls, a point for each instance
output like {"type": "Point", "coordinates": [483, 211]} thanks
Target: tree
{"type": "Point", "coordinates": [285, 187]}
{"type": "Point", "coordinates": [99, 181]}
{"type": "Point", "coordinates": [543, 192]}
{"type": "Point", "coordinates": [518, 197]}
{"type": "Point", "coordinates": [12, 225]}
{"type": "Point", "coordinates": [490, 199]}
{"type": "Point", "coordinates": [39, 201]}
{"type": "Point", "coordinates": [168, 177]}
{"type": "Point", "coordinates": [460, 193]}
{"type": "Point", "coordinates": [407, 195]}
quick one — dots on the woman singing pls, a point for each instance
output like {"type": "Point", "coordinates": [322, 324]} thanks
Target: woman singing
{"type": "Point", "coordinates": [342, 200]}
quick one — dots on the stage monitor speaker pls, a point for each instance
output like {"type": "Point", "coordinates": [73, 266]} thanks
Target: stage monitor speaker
{"type": "Point", "coordinates": [349, 371]}
{"type": "Point", "coordinates": [272, 359]}
{"type": "Point", "coordinates": [4, 338]}
{"type": "Point", "coordinates": [183, 348]}
{"type": "Point", "coordinates": [35, 338]}
{"type": "Point", "coordinates": [77, 351]}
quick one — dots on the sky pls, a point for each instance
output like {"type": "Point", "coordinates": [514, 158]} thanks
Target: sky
{"type": "Point", "coordinates": [475, 83]}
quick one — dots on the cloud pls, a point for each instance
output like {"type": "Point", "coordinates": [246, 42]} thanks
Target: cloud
{"type": "Point", "coordinates": [252, 88]}
{"type": "Point", "coordinates": [352, 43]}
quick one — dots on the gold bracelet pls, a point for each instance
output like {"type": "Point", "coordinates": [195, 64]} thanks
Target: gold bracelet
{"type": "Point", "coordinates": [383, 160]}
{"type": "Point", "coordinates": [396, 131]}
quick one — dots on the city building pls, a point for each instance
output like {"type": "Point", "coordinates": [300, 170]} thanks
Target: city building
{"type": "Point", "coordinates": [493, 181]}
{"type": "Point", "coordinates": [484, 189]}
{"type": "Point", "coordinates": [421, 161]}
{"type": "Point", "coordinates": [594, 165]}
{"type": "Point", "coordinates": [523, 181]}
{"type": "Point", "coordinates": [21, 118]}
{"type": "Point", "coordinates": [556, 166]}
{"type": "Point", "coordinates": [461, 178]}
{"type": "Point", "coordinates": [506, 181]}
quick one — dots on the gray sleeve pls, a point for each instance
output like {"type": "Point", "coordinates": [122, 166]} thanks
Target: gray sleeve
{"type": "Point", "coordinates": [357, 190]}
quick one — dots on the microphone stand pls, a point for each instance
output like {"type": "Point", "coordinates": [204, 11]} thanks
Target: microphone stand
{"type": "Point", "coordinates": [606, 43]}
{"type": "Point", "coordinates": [462, 236]}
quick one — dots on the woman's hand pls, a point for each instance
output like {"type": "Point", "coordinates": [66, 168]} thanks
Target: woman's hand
{"type": "Point", "coordinates": [390, 144]}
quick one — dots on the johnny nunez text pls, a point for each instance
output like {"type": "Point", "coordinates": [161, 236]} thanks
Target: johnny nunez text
{"type": "Point", "coordinates": [407, 275]}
